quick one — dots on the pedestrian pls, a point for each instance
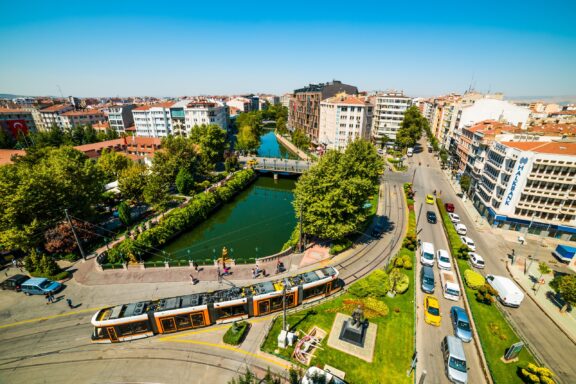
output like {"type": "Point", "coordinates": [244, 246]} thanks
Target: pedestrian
{"type": "Point", "coordinates": [47, 296]}
{"type": "Point", "coordinates": [253, 273]}
{"type": "Point", "coordinates": [50, 297]}
{"type": "Point", "coordinates": [195, 266]}
{"type": "Point", "coordinates": [69, 302]}
{"type": "Point", "coordinates": [192, 279]}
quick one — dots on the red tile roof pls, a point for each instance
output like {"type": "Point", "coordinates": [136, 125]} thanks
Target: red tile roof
{"type": "Point", "coordinates": [6, 155]}
{"type": "Point", "coordinates": [166, 104]}
{"type": "Point", "coordinates": [345, 100]}
{"type": "Point", "coordinates": [13, 110]}
{"type": "Point", "coordinates": [101, 126]}
{"type": "Point", "coordinates": [553, 148]}
{"type": "Point", "coordinates": [56, 108]}
{"type": "Point", "coordinates": [84, 113]}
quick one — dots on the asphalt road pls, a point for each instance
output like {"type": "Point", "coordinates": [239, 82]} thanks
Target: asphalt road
{"type": "Point", "coordinates": [549, 343]}
{"type": "Point", "coordinates": [428, 336]}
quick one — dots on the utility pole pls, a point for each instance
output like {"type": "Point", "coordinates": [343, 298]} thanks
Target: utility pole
{"type": "Point", "coordinates": [413, 176]}
{"type": "Point", "coordinates": [284, 304]}
{"type": "Point", "coordinates": [301, 231]}
{"type": "Point", "coordinates": [75, 235]}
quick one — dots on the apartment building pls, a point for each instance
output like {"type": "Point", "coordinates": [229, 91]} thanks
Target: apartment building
{"type": "Point", "coordinates": [285, 100]}
{"type": "Point", "coordinates": [344, 118]}
{"type": "Point", "coordinates": [153, 120]}
{"type": "Point", "coordinates": [52, 115]}
{"type": "Point", "coordinates": [530, 187]}
{"type": "Point", "coordinates": [389, 108]}
{"type": "Point", "coordinates": [205, 111]}
{"type": "Point", "coordinates": [240, 103]}
{"type": "Point", "coordinates": [16, 121]}
{"type": "Point", "coordinates": [492, 109]}
{"type": "Point", "coordinates": [120, 117]}
{"type": "Point", "coordinates": [304, 108]}
{"type": "Point", "coordinates": [74, 119]}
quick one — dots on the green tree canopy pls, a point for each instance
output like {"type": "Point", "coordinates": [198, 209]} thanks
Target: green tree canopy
{"type": "Point", "coordinates": [111, 163]}
{"type": "Point", "coordinates": [35, 190]}
{"type": "Point", "coordinates": [178, 153]}
{"type": "Point", "coordinates": [131, 182]}
{"type": "Point", "coordinates": [184, 182]}
{"type": "Point", "coordinates": [411, 129]}
{"type": "Point", "coordinates": [300, 139]}
{"type": "Point", "coordinates": [211, 139]}
{"type": "Point", "coordinates": [465, 181]}
{"type": "Point", "coordinates": [247, 139]}
{"type": "Point", "coordinates": [156, 192]}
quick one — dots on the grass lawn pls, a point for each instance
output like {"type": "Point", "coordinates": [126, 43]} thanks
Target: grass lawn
{"type": "Point", "coordinates": [495, 334]}
{"type": "Point", "coordinates": [394, 340]}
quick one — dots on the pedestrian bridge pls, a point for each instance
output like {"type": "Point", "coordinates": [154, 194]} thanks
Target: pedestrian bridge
{"type": "Point", "coordinates": [271, 164]}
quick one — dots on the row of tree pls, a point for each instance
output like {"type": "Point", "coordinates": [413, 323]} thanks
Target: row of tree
{"type": "Point", "coordinates": [56, 137]}
{"type": "Point", "coordinates": [250, 126]}
{"type": "Point", "coordinates": [331, 196]}
{"type": "Point", "coordinates": [412, 127]}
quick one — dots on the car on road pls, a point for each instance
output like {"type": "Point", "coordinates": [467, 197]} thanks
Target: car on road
{"type": "Point", "coordinates": [461, 229]}
{"type": "Point", "coordinates": [454, 218]}
{"type": "Point", "coordinates": [468, 242]}
{"type": "Point", "coordinates": [431, 217]}
{"type": "Point", "coordinates": [449, 207]}
{"type": "Point", "coordinates": [476, 260]}
{"type": "Point", "coordinates": [508, 293]}
{"type": "Point", "coordinates": [40, 286]}
{"type": "Point", "coordinates": [432, 310]}
{"type": "Point", "coordinates": [317, 375]}
{"type": "Point", "coordinates": [455, 360]}
{"type": "Point", "coordinates": [252, 162]}
{"type": "Point", "coordinates": [429, 199]}
{"type": "Point", "coordinates": [427, 254]}
{"type": "Point", "coordinates": [443, 259]}
{"type": "Point", "coordinates": [461, 324]}
{"type": "Point", "coordinates": [14, 283]}
{"type": "Point", "coordinates": [427, 279]}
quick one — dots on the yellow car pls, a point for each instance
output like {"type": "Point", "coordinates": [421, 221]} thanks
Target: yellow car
{"type": "Point", "coordinates": [429, 199]}
{"type": "Point", "coordinates": [252, 162]}
{"type": "Point", "coordinates": [432, 310]}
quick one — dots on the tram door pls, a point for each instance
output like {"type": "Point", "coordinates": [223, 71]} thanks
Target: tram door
{"type": "Point", "coordinates": [112, 334]}
{"type": "Point", "coordinates": [263, 307]}
{"type": "Point", "coordinates": [168, 325]}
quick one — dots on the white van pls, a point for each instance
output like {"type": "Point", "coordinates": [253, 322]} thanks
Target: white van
{"type": "Point", "coordinates": [455, 359]}
{"type": "Point", "coordinates": [427, 254]}
{"type": "Point", "coordinates": [508, 293]}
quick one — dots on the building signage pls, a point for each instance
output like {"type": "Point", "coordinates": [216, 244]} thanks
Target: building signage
{"type": "Point", "coordinates": [519, 170]}
{"type": "Point", "coordinates": [513, 351]}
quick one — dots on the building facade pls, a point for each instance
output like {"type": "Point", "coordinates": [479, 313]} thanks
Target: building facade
{"type": "Point", "coordinates": [52, 116]}
{"type": "Point", "coordinates": [492, 109]}
{"type": "Point", "coordinates": [530, 187]}
{"type": "Point", "coordinates": [344, 118]}
{"type": "Point", "coordinates": [120, 117]}
{"type": "Point", "coordinates": [15, 121]}
{"type": "Point", "coordinates": [389, 108]}
{"type": "Point", "coordinates": [74, 119]}
{"type": "Point", "coordinates": [206, 111]}
{"type": "Point", "coordinates": [304, 109]}
{"type": "Point", "coordinates": [240, 103]}
{"type": "Point", "coordinates": [153, 120]}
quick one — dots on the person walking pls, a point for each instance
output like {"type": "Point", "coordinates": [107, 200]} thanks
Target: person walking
{"type": "Point", "coordinates": [47, 296]}
{"type": "Point", "coordinates": [50, 297]}
{"type": "Point", "coordinates": [69, 302]}
{"type": "Point", "coordinates": [195, 265]}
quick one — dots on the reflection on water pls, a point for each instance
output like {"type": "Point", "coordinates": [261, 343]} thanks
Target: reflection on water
{"type": "Point", "coordinates": [269, 147]}
{"type": "Point", "coordinates": [255, 224]}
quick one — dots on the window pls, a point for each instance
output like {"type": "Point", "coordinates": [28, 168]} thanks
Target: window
{"type": "Point", "coordinates": [183, 321]}
{"type": "Point", "coordinates": [235, 310]}
{"type": "Point", "coordinates": [132, 328]}
{"type": "Point", "coordinates": [314, 291]}
{"type": "Point", "coordinates": [168, 324]}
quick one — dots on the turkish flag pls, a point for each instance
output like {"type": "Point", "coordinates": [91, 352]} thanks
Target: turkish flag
{"type": "Point", "coordinates": [16, 126]}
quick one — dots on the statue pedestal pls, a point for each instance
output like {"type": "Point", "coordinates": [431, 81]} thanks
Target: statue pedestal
{"type": "Point", "coordinates": [354, 334]}
{"type": "Point", "coordinates": [358, 341]}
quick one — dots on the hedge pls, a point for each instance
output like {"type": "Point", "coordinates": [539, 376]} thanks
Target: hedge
{"type": "Point", "coordinates": [236, 333]}
{"type": "Point", "coordinates": [473, 279]}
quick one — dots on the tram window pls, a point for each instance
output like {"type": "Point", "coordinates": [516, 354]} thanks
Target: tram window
{"type": "Point", "coordinates": [314, 291]}
{"type": "Point", "coordinates": [197, 319]}
{"type": "Point", "coordinates": [183, 321]}
{"type": "Point", "coordinates": [276, 303]}
{"type": "Point", "coordinates": [168, 324]}
{"type": "Point", "coordinates": [100, 333]}
{"type": "Point", "coordinates": [235, 310]}
{"type": "Point", "coordinates": [290, 300]}
{"type": "Point", "coordinates": [140, 327]}
{"type": "Point", "coordinates": [124, 329]}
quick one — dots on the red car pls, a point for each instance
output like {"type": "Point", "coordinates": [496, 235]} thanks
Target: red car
{"type": "Point", "coordinates": [449, 207]}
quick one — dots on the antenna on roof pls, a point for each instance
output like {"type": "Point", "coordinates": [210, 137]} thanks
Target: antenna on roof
{"type": "Point", "coordinates": [61, 94]}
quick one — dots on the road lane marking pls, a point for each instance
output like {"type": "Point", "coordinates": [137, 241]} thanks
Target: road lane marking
{"type": "Point", "coordinates": [38, 319]}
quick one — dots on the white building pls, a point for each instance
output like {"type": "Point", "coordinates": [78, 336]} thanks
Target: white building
{"type": "Point", "coordinates": [389, 111]}
{"type": "Point", "coordinates": [285, 100]}
{"type": "Point", "coordinates": [241, 103]}
{"type": "Point", "coordinates": [120, 117]}
{"type": "Point", "coordinates": [530, 187]}
{"type": "Point", "coordinates": [153, 120]}
{"type": "Point", "coordinates": [52, 116]}
{"type": "Point", "coordinates": [492, 109]}
{"type": "Point", "coordinates": [344, 118]}
{"type": "Point", "coordinates": [205, 111]}
{"type": "Point", "coordinates": [73, 119]}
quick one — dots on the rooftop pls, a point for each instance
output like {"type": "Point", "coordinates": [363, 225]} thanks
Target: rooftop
{"type": "Point", "coordinates": [6, 155]}
{"type": "Point", "coordinates": [56, 108]}
{"type": "Point", "coordinates": [86, 112]}
{"type": "Point", "coordinates": [345, 99]}
{"type": "Point", "coordinates": [13, 110]}
{"type": "Point", "coordinates": [166, 104]}
{"type": "Point", "coordinates": [551, 148]}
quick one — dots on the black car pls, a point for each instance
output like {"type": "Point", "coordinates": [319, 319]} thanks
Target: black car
{"type": "Point", "coordinates": [431, 217]}
{"type": "Point", "coordinates": [14, 283]}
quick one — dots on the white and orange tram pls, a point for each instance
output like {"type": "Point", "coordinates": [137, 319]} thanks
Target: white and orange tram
{"type": "Point", "coordinates": [147, 318]}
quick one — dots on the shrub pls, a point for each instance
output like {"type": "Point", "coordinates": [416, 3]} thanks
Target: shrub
{"type": "Point", "coordinates": [236, 333]}
{"type": "Point", "coordinates": [410, 242]}
{"type": "Point", "coordinates": [531, 373]}
{"type": "Point", "coordinates": [473, 279]}
{"type": "Point", "coordinates": [376, 285]}
{"type": "Point", "coordinates": [399, 281]}
{"type": "Point", "coordinates": [340, 246]}
{"type": "Point", "coordinates": [463, 252]}
{"type": "Point", "coordinates": [376, 306]}
{"type": "Point", "coordinates": [486, 294]}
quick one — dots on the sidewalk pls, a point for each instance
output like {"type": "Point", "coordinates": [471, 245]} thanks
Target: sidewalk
{"type": "Point", "coordinates": [543, 296]}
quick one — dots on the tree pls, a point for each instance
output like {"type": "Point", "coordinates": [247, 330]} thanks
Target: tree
{"type": "Point", "coordinates": [300, 139]}
{"type": "Point", "coordinates": [230, 162]}
{"type": "Point", "coordinates": [60, 238]}
{"type": "Point", "coordinates": [281, 125]}
{"type": "Point", "coordinates": [156, 192]}
{"type": "Point", "coordinates": [566, 287]}
{"type": "Point", "coordinates": [131, 182]}
{"type": "Point", "coordinates": [465, 183]}
{"type": "Point", "coordinates": [211, 139]}
{"type": "Point", "coordinates": [411, 129]}
{"type": "Point", "coordinates": [6, 140]}
{"type": "Point", "coordinates": [178, 153]}
{"type": "Point", "coordinates": [443, 156]}
{"type": "Point", "coordinates": [247, 139]}
{"type": "Point", "coordinates": [184, 181]}
{"type": "Point", "coordinates": [112, 163]}
{"type": "Point", "coordinates": [124, 213]}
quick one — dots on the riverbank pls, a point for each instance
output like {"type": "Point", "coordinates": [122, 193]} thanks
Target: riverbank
{"type": "Point", "coordinates": [288, 144]}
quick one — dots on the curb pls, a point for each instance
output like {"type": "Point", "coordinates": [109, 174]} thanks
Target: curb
{"type": "Point", "coordinates": [529, 294]}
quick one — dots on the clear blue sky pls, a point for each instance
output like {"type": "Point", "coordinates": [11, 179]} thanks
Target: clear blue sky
{"type": "Point", "coordinates": [171, 48]}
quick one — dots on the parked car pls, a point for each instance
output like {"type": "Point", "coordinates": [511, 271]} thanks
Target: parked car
{"type": "Point", "coordinates": [449, 207]}
{"type": "Point", "coordinates": [427, 279]}
{"type": "Point", "coordinates": [454, 218]}
{"type": "Point", "coordinates": [427, 254]}
{"type": "Point", "coordinates": [14, 283]}
{"type": "Point", "coordinates": [508, 293]}
{"type": "Point", "coordinates": [429, 199]}
{"type": "Point", "coordinates": [443, 259]}
{"type": "Point", "coordinates": [461, 324]}
{"type": "Point", "coordinates": [469, 242]}
{"type": "Point", "coordinates": [431, 217]}
{"type": "Point", "coordinates": [40, 286]}
{"type": "Point", "coordinates": [476, 260]}
{"type": "Point", "coordinates": [432, 310]}
{"type": "Point", "coordinates": [461, 229]}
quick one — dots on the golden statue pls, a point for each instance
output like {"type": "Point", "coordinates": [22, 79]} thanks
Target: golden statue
{"type": "Point", "coordinates": [222, 259]}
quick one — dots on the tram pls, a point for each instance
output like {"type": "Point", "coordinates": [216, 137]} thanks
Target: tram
{"type": "Point", "coordinates": [148, 318]}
